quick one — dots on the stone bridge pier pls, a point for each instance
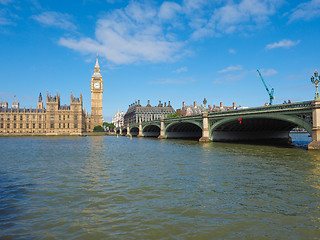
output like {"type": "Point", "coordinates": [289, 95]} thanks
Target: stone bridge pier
{"type": "Point", "coordinates": [315, 144]}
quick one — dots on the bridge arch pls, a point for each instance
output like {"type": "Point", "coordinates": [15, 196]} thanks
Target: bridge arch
{"type": "Point", "coordinates": [257, 127]}
{"type": "Point", "coordinates": [134, 131]}
{"type": "Point", "coordinates": [151, 130]}
{"type": "Point", "coordinates": [124, 131]}
{"type": "Point", "coordinates": [185, 129]}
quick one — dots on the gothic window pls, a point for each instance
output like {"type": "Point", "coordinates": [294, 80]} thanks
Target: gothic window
{"type": "Point", "coordinates": [51, 107]}
{"type": "Point", "coordinates": [27, 125]}
{"type": "Point", "coordinates": [51, 117]}
{"type": "Point", "coordinates": [59, 125]}
{"type": "Point", "coordinates": [75, 117]}
{"type": "Point", "coordinates": [8, 118]}
{"type": "Point", "coordinates": [20, 125]}
{"type": "Point", "coordinates": [75, 108]}
{"type": "Point", "coordinates": [34, 117]}
{"type": "Point", "coordinates": [51, 125]}
{"type": "Point", "coordinates": [59, 117]}
{"type": "Point", "coordinates": [27, 117]}
{"type": "Point", "coordinates": [33, 125]}
{"type": "Point", "coordinates": [14, 117]}
{"type": "Point", "coordinates": [39, 125]}
{"type": "Point", "coordinates": [39, 117]}
{"type": "Point", "coordinates": [64, 117]}
{"type": "Point", "coordinates": [14, 125]}
{"type": "Point", "coordinates": [75, 125]}
{"type": "Point", "coordinates": [1, 117]}
{"type": "Point", "coordinates": [21, 118]}
{"type": "Point", "coordinates": [8, 125]}
{"type": "Point", "coordinates": [1, 125]}
{"type": "Point", "coordinates": [64, 125]}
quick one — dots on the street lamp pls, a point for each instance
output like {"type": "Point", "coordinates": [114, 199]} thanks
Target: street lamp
{"type": "Point", "coordinates": [205, 103]}
{"type": "Point", "coordinates": [315, 79]}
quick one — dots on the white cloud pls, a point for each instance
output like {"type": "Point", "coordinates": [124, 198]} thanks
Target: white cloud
{"type": "Point", "coordinates": [243, 16]}
{"type": "Point", "coordinates": [306, 11]}
{"type": "Point", "coordinates": [55, 19]}
{"type": "Point", "coordinates": [268, 72]}
{"type": "Point", "coordinates": [129, 35]}
{"type": "Point", "coordinates": [231, 68]}
{"type": "Point", "coordinates": [169, 10]}
{"type": "Point", "coordinates": [179, 70]}
{"type": "Point", "coordinates": [285, 43]}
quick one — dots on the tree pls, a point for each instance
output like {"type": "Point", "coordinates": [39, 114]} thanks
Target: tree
{"type": "Point", "coordinates": [173, 115]}
{"type": "Point", "coordinates": [109, 125]}
{"type": "Point", "coordinates": [98, 129]}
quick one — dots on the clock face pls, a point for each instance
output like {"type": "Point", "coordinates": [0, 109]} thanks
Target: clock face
{"type": "Point", "coordinates": [96, 85]}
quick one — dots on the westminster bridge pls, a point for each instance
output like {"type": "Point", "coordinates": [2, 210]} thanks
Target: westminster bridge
{"type": "Point", "coordinates": [272, 123]}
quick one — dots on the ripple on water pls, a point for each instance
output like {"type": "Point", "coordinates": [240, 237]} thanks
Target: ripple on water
{"type": "Point", "coordinates": [117, 188]}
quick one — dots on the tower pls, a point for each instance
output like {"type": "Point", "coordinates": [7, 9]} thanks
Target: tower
{"type": "Point", "coordinates": [96, 97]}
{"type": "Point", "coordinates": [40, 102]}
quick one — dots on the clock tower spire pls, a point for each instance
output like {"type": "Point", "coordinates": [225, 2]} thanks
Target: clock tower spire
{"type": "Point", "coordinates": [96, 97]}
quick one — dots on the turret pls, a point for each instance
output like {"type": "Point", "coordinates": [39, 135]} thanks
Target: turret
{"type": "Point", "coordinates": [40, 102]}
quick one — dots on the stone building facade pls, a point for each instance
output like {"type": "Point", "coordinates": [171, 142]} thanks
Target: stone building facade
{"type": "Point", "coordinates": [118, 119]}
{"type": "Point", "coordinates": [137, 113]}
{"type": "Point", "coordinates": [55, 119]}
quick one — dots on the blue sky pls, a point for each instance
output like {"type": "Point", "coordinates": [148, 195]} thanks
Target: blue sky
{"type": "Point", "coordinates": [159, 50]}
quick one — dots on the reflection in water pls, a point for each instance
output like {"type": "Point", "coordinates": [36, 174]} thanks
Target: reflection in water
{"type": "Point", "coordinates": [117, 188]}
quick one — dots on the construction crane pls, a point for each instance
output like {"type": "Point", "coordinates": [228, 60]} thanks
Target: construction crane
{"type": "Point", "coordinates": [265, 85]}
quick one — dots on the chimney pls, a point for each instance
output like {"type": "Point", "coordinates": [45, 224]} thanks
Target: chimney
{"type": "Point", "coordinates": [148, 103]}
{"type": "Point", "coordinates": [221, 104]}
{"type": "Point", "coordinates": [183, 104]}
{"type": "Point", "coordinates": [210, 108]}
{"type": "Point", "coordinates": [194, 103]}
{"type": "Point", "coordinates": [165, 104]}
{"type": "Point", "coordinates": [159, 104]}
{"type": "Point", "coordinates": [138, 102]}
{"type": "Point", "coordinates": [234, 105]}
{"type": "Point", "coordinates": [169, 104]}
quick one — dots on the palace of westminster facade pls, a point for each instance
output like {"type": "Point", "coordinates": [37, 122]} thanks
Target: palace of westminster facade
{"type": "Point", "coordinates": [55, 119]}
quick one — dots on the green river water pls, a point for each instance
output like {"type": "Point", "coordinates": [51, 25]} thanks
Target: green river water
{"type": "Point", "coordinates": [116, 188]}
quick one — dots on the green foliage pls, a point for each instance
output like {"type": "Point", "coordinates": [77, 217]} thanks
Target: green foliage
{"type": "Point", "coordinates": [109, 125]}
{"type": "Point", "coordinates": [173, 115]}
{"type": "Point", "coordinates": [98, 129]}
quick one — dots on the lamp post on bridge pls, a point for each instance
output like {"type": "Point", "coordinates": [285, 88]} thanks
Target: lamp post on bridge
{"type": "Point", "coordinates": [205, 103]}
{"type": "Point", "coordinates": [315, 80]}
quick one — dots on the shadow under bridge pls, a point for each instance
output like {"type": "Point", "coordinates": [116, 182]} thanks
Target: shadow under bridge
{"type": "Point", "coordinates": [151, 131]}
{"type": "Point", "coordinates": [253, 129]}
{"type": "Point", "coordinates": [184, 130]}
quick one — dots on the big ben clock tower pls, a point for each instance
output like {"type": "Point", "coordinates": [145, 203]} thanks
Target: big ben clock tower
{"type": "Point", "coordinates": [96, 97]}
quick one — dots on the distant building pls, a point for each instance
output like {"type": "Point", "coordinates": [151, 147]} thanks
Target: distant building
{"type": "Point", "coordinates": [136, 112]}
{"type": "Point", "coordinates": [194, 109]}
{"type": "Point", "coordinates": [55, 118]}
{"type": "Point", "coordinates": [118, 119]}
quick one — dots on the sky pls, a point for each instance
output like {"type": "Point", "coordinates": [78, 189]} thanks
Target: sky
{"type": "Point", "coordinates": [176, 51]}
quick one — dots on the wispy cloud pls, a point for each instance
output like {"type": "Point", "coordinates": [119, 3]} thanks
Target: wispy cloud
{"type": "Point", "coordinates": [268, 72]}
{"type": "Point", "coordinates": [285, 43]}
{"type": "Point", "coordinates": [229, 78]}
{"type": "Point", "coordinates": [6, 2]}
{"type": "Point", "coordinates": [173, 81]}
{"type": "Point", "coordinates": [306, 11]}
{"type": "Point", "coordinates": [232, 51]}
{"type": "Point", "coordinates": [55, 19]}
{"type": "Point", "coordinates": [231, 68]}
{"type": "Point", "coordinates": [182, 69]}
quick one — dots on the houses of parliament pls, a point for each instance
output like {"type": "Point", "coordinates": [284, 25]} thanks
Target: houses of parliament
{"type": "Point", "coordinates": [55, 119]}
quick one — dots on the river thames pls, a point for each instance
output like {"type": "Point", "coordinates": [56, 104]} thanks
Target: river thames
{"type": "Point", "coordinates": [116, 188]}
